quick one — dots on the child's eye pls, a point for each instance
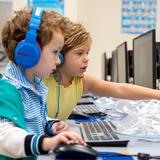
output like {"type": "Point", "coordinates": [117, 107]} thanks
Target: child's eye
{"type": "Point", "coordinates": [88, 52]}
{"type": "Point", "coordinates": [80, 53]}
{"type": "Point", "coordinates": [57, 52]}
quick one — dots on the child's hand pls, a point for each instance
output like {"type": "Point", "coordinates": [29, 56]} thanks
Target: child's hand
{"type": "Point", "coordinates": [49, 143]}
{"type": "Point", "coordinates": [59, 127]}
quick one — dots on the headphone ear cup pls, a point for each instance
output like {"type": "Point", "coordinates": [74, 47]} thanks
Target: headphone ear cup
{"type": "Point", "coordinates": [61, 57]}
{"type": "Point", "coordinates": [27, 54]}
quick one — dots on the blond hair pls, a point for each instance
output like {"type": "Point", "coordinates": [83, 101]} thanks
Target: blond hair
{"type": "Point", "coordinates": [15, 29]}
{"type": "Point", "coordinates": [75, 35]}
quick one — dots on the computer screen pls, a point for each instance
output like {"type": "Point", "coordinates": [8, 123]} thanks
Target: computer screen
{"type": "Point", "coordinates": [144, 58]}
{"type": "Point", "coordinates": [123, 63]}
{"type": "Point", "coordinates": [114, 67]}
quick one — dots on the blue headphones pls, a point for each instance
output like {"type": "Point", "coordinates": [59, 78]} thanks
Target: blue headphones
{"type": "Point", "coordinates": [28, 51]}
{"type": "Point", "coordinates": [61, 57]}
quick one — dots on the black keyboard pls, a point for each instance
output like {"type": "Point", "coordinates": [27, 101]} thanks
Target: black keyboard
{"type": "Point", "coordinates": [89, 109]}
{"type": "Point", "coordinates": [101, 133]}
{"type": "Point", "coordinates": [88, 100]}
{"type": "Point", "coordinates": [87, 95]}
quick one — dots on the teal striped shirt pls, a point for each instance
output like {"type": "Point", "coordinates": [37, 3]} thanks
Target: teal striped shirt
{"type": "Point", "coordinates": [34, 99]}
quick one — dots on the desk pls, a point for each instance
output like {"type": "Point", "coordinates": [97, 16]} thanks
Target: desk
{"type": "Point", "coordinates": [134, 146]}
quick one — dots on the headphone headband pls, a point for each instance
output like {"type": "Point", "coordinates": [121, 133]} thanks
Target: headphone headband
{"type": "Point", "coordinates": [34, 24]}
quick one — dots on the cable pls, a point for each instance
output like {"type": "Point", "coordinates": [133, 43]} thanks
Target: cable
{"type": "Point", "coordinates": [58, 77]}
{"type": "Point", "coordinates": [146, 156]}
{"type": "Point", "coordinates": [58, 110]}
{"type": "Point", "coordinates": [140, 156]}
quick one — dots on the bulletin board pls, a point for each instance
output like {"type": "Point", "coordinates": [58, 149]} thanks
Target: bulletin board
{"type": "Point", "coordinates": [57, 5]}
{"type": "Point", "coordinates": [138, 16]}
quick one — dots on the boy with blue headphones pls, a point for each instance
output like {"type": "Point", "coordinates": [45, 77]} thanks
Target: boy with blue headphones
{"type": "Point", "coordinates": [32, 40]}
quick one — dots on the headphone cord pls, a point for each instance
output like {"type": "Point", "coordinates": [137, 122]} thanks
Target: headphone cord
{"type": "Point", "coordinates": [58, 77]}
{"type": "Point", "coordinates": [58, 110]}
{"type": "Point", "coordinates": [23, 71]}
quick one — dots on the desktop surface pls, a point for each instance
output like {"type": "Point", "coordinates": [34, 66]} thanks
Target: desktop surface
{"type": "Point", "coordinates": [134, 146]}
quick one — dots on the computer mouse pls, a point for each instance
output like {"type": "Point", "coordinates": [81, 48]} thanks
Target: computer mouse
{"type": "Point", "coordinates": [78, 115]}
{"type": "Point", "coordinates": [75, 152]}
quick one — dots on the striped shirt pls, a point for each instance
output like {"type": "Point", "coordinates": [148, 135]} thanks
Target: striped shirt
{"type": "Point", "coordinates": [34, 99]}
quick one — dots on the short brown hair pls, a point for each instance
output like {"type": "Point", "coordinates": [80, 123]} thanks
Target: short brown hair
{"type": "Point", "coordinates": [15, 29]}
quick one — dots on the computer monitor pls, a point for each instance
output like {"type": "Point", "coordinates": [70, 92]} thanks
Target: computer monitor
{"type": "Point", "coordinates": [123, 63]}
{"type": "Point", "coordinates": [158, 59]}
{"type": "Point", "coordinates": [104, 66]}
{"type": "Point", "coordinates": [130, 57]}
{"type": "Point", "coordinates": [144, 58]}
{"type": "Point", "coordinates": [114, 67]}
{"type": "Point", "coordinates": [109, 64]}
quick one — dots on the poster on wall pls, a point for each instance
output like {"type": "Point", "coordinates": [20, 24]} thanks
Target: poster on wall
{"type": "Point", "coordinates": [57, 5]}
{"type": "Point", "coordinates": [138, 16]}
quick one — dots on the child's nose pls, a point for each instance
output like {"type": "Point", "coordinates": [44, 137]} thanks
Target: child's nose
{"type": "Point", "coordinates": [86, 58]}
{"type": "Point", "coordinates": [58, 62]}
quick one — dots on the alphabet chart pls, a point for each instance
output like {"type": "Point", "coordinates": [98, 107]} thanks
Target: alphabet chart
{"type": "Point", "coordinates": [138, 16]}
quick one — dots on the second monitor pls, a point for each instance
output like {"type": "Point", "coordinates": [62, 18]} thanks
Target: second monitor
{"type": "Point", "coordinates": [145, 59]}
{"type": "Point", "coordinates": [114, 67]}
{"type": "Point", "coordinates": [123, 63]}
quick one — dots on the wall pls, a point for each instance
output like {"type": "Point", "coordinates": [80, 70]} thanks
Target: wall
{"type": "Point", "coordinates": [17, 4]}
{"type": "Point", "coordinates": [70, 7]}
{"type": "Point", "coordinates": [70, 10]}
{"type": "Point", "coordinates": [102, 18]}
